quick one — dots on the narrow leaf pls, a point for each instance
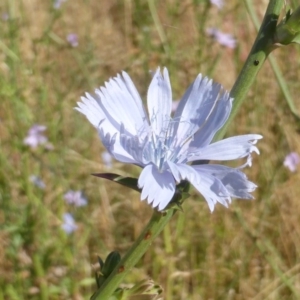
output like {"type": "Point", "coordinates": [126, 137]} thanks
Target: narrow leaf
{"type": "Point", "coordinates": [126, 181]}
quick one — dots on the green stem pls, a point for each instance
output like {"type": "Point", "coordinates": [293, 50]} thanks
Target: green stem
{"type": "Point", "coordinates": [259, 53]}
{"type": "Point", "coordinates": [284, 87]}
{"type": "Point", "coordinates": [158, 26]}
{"type": "Point", "coordinates": [276, 69]}
{"type": "Point", "coordinates": [156, 224]}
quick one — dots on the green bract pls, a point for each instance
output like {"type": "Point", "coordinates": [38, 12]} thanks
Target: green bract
{"type": "Point", "coordinates": [288, 31]}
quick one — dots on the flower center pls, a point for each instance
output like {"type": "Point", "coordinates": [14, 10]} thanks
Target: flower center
{"type": "Point", "coordinates": [160, 148]}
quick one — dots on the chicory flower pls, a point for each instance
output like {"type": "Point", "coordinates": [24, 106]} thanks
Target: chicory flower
{"type": "Point", "coordinates": [69, 224]}
{"type": "Point", "coordinates": [224, 39]}
{"type": "Point", "coordinates": [35, 136]}
{"type": "Point", "coordinates": [37, 181]}
{"type": "Point", "coordinates": [218, 3]}
{"type": "Point", "coordinates": [57, 3]}
{"type": "Point", "coordinates": [72, 39]}
{"type": "Point", "coordinates": [291, 161]}
{"type": "Point", "coordinates": [165, 146]}
{"type": "Point", "coordinates": [76, 198]}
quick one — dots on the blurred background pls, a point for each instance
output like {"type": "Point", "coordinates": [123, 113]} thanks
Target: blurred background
{"type": "Point", "coordinates": [55, 218]}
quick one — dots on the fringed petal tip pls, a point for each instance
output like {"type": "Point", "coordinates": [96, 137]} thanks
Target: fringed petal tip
{"type": "Point", "coordinates": [256, 138]}
{"type": "Point", "coordinates": [158, 188]}
{"type": "Point", "coordinates": [158, 71]}
{"type": "Point", "coordinates": [248, 162]}
{"type": "Point", "coordinates": [212, 203]}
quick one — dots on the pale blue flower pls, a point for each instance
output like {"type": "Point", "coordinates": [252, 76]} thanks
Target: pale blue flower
{"type": "Point", "coordinates": [76, 198]}
{"type": "Point", "coordinates": [164, 146]}
{"type": "Point", "coordinates": [37, 181]}
{"type": "Point", "coordinates": [57, 3]}
{"type": "Point", "coordinates": [5, 16]}
{"type": "Point", "coordinates": [291, 161]}
{"type": "Point", "coordinates": [224, 39]}
{"type": "Point", "coordinates": [72, 39]}
{"type": "Point", "coordinates": [218, 3]}
{"type": "Point", "coordinates": [35, 136]}
{"type": "Point", "coordinates": [69, 224]}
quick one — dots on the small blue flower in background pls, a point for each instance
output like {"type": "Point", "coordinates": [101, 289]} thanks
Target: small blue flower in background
{"type": "Point", "coordinates": [5, 16]}
{"type": "Point", "coordinates": [69, 224]}
{"type": "Point", "coordinates": [72, 39]}
{"type": "Point", "coordinates": [224, 39]}
{"type": "Point", "coordinates": [37, 181]}
{"type": "Point", "coordinates": [76, 198]}
{"type": "Point", "coordinates": [218, 3]}
{"type": "Point", "coordinates": [291, 161]}
{"type": "Point", "coordinates": [165, 146]}
{"type": "Point", "coordinates": [57, 3]}
{"type": "Point", "coordinates": [35, 136]}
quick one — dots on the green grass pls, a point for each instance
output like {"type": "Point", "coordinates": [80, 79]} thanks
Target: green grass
{"type": "Point", "coordinates": [249, 251]}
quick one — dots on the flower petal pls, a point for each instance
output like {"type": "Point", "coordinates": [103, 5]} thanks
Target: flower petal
{"type": "Point", "coordinates": [134, 145]}
{"type": "Point", "coordinates": [126, 81]}
{"type": "Point", "coordinates": [195, 108]}
{"type": "Point", "coordinates": [90, 107]}
{"type": "Point", "coordinates": [182, 172]}
{"type": "Point", "coordinates": [121, 106]}
{"type": "Point", "coordinates": [109, 134]}
{"type": "Point", "coordinates": [214, 122]}
{"type": "Point", "coordinates": [212, 189]}
{"type": "Point", "coordinates": [118, 102]}
{"type": "Point", "coordinates": [115, 148]}
{"type": "Point", "coordinates": [227, 149]}
{"type": "Point", "coordinates": [158, 187]}
{"type": "Point", "coordinates": [235, 181]}
{"type": "Point", "coordinates": [159, 100]}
